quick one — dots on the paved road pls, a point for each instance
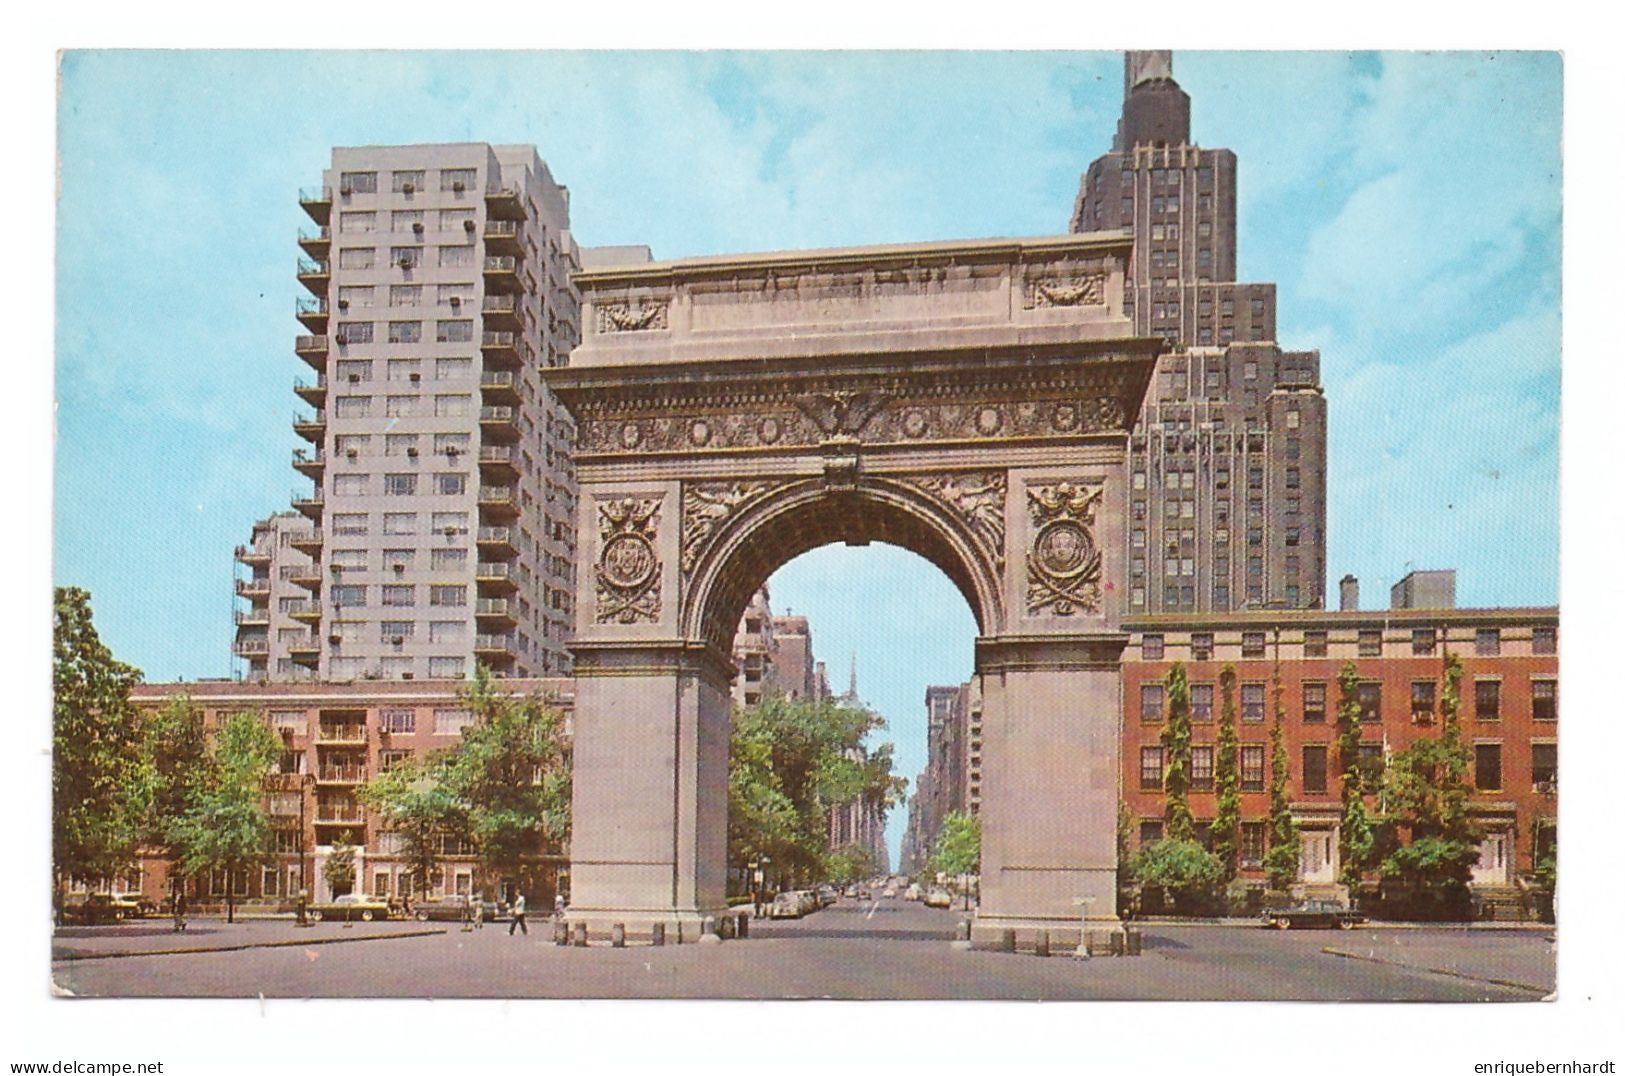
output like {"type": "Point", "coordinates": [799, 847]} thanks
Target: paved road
{"type": "Point", "coordinates": [887, 950]}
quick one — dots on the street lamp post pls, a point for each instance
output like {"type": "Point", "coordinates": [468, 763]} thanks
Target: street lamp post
{"type": "Point", "coordinates": [304, 886]}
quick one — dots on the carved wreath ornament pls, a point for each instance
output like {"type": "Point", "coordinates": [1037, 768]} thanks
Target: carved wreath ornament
{"type": "Point", "coordinates": [628, 571]}
{"type": "Point", "coordinates": [1063, 567]}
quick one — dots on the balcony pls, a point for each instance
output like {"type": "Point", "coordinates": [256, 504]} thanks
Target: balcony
{"type": "Point", "coordinates": [311, 428]}
{"type": "Point", "coordinates": [314, 275]}
{"type": "Point", "coordinates": [502, 312]}
{"type": "Point", "coordinates": [318, 202]}
{"type": "Point", "coordinates": [258, 587]}
{"type": "Point", "coordinates": [316, 243]}
{"type": "Point", "coordinates": [496, 611]}
{"type": "Point", "coordinates": [499, 502]}
{"type": "Point", "coordinates": [502, 237]}
{"type": "Point", "coordinates": [497, 542]}
{"type": "Point", "coordinates": [351, 732]}
{"type": "Point", "coordinates": [312, 392]}
{"type": "Point", "coordinates": [494, 649]}
{"type": "Point", "coordinates": [499, 463]}
{"type": "Point", "coordinates": [307, 542]}
{"type": "Point", "coordinates": [310, 464]}
{"type": "Point", "coordinates": [504, 202]}
{"type": "Point", "coordinates": [306, 609]}
{"type": "Point", "coordinates": [251, 648]}
{"type": "Point", "coordinates": [499, 386]}
{"type": "Point", "coordinates": [305, 651]}
{"type": "Point", "coordinates": [334, 814]}
{"type": "Point", "coordinates": [257, 616]}
{"type": "Point", "coordinates": [304, 575]}
{"type": "Point", "coordinates": [341, 775]}
{"type": "Point", "coordinates": [502, 273]}
{"type": "Point", "coordinates": [500, 349]}
{"type": "Point", "coordinates": [499, 423]}
{"type": "Point", "coordinates": [312, 313]}
{"type": "Point", "coordinates": [247, 554]}
{"type": "Point", "coordinates": [313, 349]}
{"type": "Point", "coordinates": [308, 503]}
{"type": "Point", "coordinates": [497, 577]}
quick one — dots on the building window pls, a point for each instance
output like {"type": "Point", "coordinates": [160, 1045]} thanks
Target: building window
{"type": "Point", "coordinates": [1202, 646]}
{"type": "Point", "coordinates": [406, 257]}
{"type": "Point", "coordinates": [1252, 767]}
{"type": "Point", "coordinates": [353, 221]}
{"type": "Point", "coordinates": [456, 257]}
{"type": "Point", "coordinates": [1201, 769]}
{"type": "Point", "coordinates": [405, 332]}
{"type": "Point", "coordinates": [1314, 703]}
{"type": "Point", "coordinates": [400, 444]}
{"type": "Point", "coordinates": [1369, 694]}
{"type": "Point", "coordinates": [1252, 644]}
{"type": "Point", "coordinates": [405, 295]}
{"type": "Point", "coordinates": [357, 257]}
{"type": "Point", "coordinates": [1543, 700]}
{"type": "Point", "coordinates": [1252, 844]}
{"type": "Point", "coordinates": [404, 220]}
{"type": "Point", "coordinates": [451, 722]}
{"type": "Point", "coordinates": [447, 668]}
{"type": "Point", "coordinates": [352, 406]}
{"type": "Point", "coordinates": [350, 485]}
{"type": "Point", "coordinates": [1423, 640]}
{"type": "Point", "coordinates": [1201, 703]}
{"type": "Point", "coordinates": [1371, 643]}
{"type": "Point", "coordinates": [1252, 702]}
{"type": "Point", "coordinates": [1487, 767]}
{"type": "Point", "coordinates": [450, 484]}
{"type": "Point", "coordinates": [1487, 700]}
{"type": "Point", "coordinates": [400, 485]}
{"type": "Point", "coordinates": [349, 523]}
{"type": "Point", "coordinates": [1151, 647]}
{"type": "Point", "coordinates": [358, 182]}
{"type": "Point", "coordinates": [452, 404]}
{"type": "Point", "coordinates": [448, 595]}
{"type": "Point", "coordinates": [1487, 643]}
{"type": "Point", "coordinates": [407, 181]}
{"type": "Point", "coordinates": [1543, 641]}
{"type": "Point", "coordinates": [1151, 703]}
{"type": "Point", "coordinates": [1293, 481]}
{"type": "Point", "coordinates": [399, 594]}
{"type": "Point", "coordinates": [1371, 765]}
{"type": "Point", "coordinates": [457, 179]}
{"type": "Point", "coordinates": [1422, 699]}
{"type": "Point", "coordinates": [1150, 769]}
{"type": "Point", "coordinates": [1314, 644]}
{"type": "Point", "coordinates": [1150, 830]}
{"type": "Point", "coordinates": [1543, 764]}
{"type": "Point", "coordinates": [447, 631]}
{"type": "Point", "coordinates": [349, 595]}
{"type": "Point", "coordinates": [1314, 768]}
{"type": "Point", "coordinates": [397, 721]}
{"type": "Point", "coordinates": [448, 560]}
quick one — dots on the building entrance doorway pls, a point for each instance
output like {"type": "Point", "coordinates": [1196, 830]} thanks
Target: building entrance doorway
{"type": "Point", "coordinates": [969, 402]}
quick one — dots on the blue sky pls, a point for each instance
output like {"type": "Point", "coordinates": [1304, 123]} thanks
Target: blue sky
{"type": "Point", "coordinates": [1408, 206]}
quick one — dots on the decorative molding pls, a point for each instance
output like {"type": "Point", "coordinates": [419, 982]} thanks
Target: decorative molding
{"type": "Point", "coordinates": [628, 569]}
{"type": "Point", "coordinates": [647, 314]}
{"type": "Point", "coordinates": [841, 413]}
{"type": "Point", "coordinates": [706, 506]}
{"type": "Point", "coordinates": [978, 499]}
{"type": "Point", "coordinates": [1063, 565]}
{"type": "Point", "coordinates": [1085, 289]}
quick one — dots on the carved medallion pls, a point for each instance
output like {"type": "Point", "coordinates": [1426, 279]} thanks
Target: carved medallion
{"type": "Point", "coordinates": [628, 571]}
{"type": "Point", "coordinates": [706, 506]}
{"type": "Point", "coordinates": [769, 430]}
{"type": "Point", "coordinates": [915, 423]}
{"type": "Point", "coordinates": [632, 317]}
{"type": "Point", "coordinates": [841, 413]}
{"type": "Point", "coordinates": [1063, 566]}
{"type": "Point", "coordinates": [631, 436]}
{"type": "Point", "coordinates": [977, 498]}
{"type": "Point", "coordinates": [988, 421]}
{"type": "Point", "coordinates": [699, 433]}
{"type": "Point", "coordinates": [1065, 417]}
{"type": "Point", "coordinates": [1087, 289]}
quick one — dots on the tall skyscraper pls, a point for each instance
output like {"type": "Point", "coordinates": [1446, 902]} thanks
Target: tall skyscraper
{"type": "Point", "coordinates": [441, 518]}
{"type": "Point", "coordinates": [1228, 462]}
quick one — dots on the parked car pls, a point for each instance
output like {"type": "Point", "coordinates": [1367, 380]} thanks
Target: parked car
{"type": "Point", "coordinates": [938, 897]}
{"type": "Point", "coordinates": [1312, 913]}
{"type": "Point", "coordinates": [134, 905]}
{"type": "Point", "coordinates": [889, 892]}
{"type": "Point", "coordinates": [827, 895]}
{"type": "Point", "coordinates": [788, 905]}
{"type": "Point", "coordinates": [90, 908]}
{"type": "Point", "coordinates": [914, 892]}
{"type": "Point", "coordinates": [349, 907]}
{"type": "Point", "coordinates": [449, 909]}
{"type": "Point", "coordinates": [853, 891]}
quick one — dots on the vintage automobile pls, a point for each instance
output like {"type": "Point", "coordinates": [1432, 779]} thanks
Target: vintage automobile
{"type": "Point", "coordinates": [91, 908]}
{"type": "Point", "coordinates": [1312, 913]}
{"type": "Point", "coordinates": [451, 909]}
{"type": "Point", "coordinates": [938, 897]}
{"type": "Point", "coordinates": [349, 907]}
{"type": "Point", "coordinates": [791, 904]}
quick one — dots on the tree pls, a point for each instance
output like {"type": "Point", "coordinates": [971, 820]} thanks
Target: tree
{"type": "Point", "coordinates": [415, 800]}
{"type": "Point", "coordinates": [226, 828]}
{"type": "Point", "coordinates": [1226, 831]}
{"type": "Point", "coordinates": [510, 776]}
{"type": "Point", "coordinates": [1282, 860]}
{"type": "Point", "coordinates": [848, 863]}
{"type": "Point", "coordinates": [96, 786]}
{"type": "Point", "coordinates": [1425, 787]}
{"type": "Point", "coordinates": [175, 770]}
{"type": "Point", "coordinates": [1176, 749]}
{"type": "Point", "coordinates": [1187, 874]}
{"type": "Point", "coordinates": [339, 869]}
{"type": "Point", "coordinates": [959, 844]}
{"type": "Point", "coordinates": [1356, 837]}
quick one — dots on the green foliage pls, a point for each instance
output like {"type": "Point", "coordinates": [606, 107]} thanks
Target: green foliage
{"type": "Point", "coordinates": [339, 869]}
{"type": "Point", "coordinates": [1125, 838]}
{"type": "Point", "coordinates": [175, 769]}
{"type": "Point", "coordinates": [849, 863]}
{"type": "Point", "coordinates": [225, 827]}
{"type": "Point", "coordinates": [959, 845]}
{"type": "Point", "coordinates": [1356, 836]}
{"type": "Point", "coordinates": [1282, 859]}
{"type": "Point", "coordinates": [790, 761]}
{"type": "Point", "coordinates": [1226, 831]}
{"type": "Point", "coordinates": [97, 785]}
{"type": "Point", "coordinates": [416, 800]}
{"type": "Point", "coordinates": [1188, 874]}
{"type": "Point", "coordinates": [1176, 750]}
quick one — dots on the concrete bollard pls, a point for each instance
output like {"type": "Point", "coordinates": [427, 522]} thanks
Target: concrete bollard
{"type": "Point", "coordinates": [1134, 940]}
{"type": "Point", "coordinates": [1007, 941]}
{"type": "Point", "coordinates": [617, 936]}
{"type": "Point", "coordinates": [658, 934]}
{"type": "Point", "coordinates": [1041, 944]}
{"type": "Point", "coordinates": [581, 935]}
{"type": "Point", "coordinates": [742, 927]}
{"type": "Point", "coordinates": [1119, 944]}
{"type": "Point", "coordinates": [561, 932]}
{"type": "Point", "coordinates": [708, 932]}
{"type": "Point", "coordinates": [725, 927]}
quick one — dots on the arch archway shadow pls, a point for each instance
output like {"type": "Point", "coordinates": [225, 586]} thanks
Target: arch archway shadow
{"type": "Point", "coordinates": [967, 402]}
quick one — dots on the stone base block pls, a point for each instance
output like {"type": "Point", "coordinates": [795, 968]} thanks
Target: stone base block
{"type": "Point", "coordinates": [681, 928]}
{"type": "Point", "coordinates": [1106, 936]}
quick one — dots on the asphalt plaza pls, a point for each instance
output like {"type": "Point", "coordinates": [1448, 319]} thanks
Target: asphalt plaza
{"type": "Point", "coordinates": [869, 950]}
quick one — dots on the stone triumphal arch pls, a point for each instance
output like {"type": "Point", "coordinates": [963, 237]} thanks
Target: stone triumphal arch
{"type": "Point", "coordinates": [969, 401]}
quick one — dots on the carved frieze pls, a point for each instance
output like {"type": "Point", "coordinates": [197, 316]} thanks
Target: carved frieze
{"type": "Point", "coordinates": [628, 568]}
{"type": "Point", "coordinates": [977, 498]}
{"type": "Point", "coordinates": [632, 316]}
{"type": "Point", "coordinates": [1082, 289]}
{"type": "Point", "coordinates": [841, 413]}
{"type": "Point", "coordinates": [706, 506]}
{"type": "Point", "coordinates": [1063, 564]}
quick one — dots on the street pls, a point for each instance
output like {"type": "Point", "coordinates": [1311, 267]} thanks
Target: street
{"type": "Point", "coordinates": [870, 950]}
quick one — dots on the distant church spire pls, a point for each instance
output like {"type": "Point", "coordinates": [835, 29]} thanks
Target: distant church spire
{"type": "Point", "coordinates": [852, 685]}
{"type": "Point", "coordinates": [1145, 65]}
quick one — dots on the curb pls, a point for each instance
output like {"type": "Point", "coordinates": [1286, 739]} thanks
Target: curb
{"type": "Point", "coordinates": [1539, 990]}
{"type": "Point", "coordinates": [289, 943]}
{"type": "Point", "coordinates": [1170, 921]}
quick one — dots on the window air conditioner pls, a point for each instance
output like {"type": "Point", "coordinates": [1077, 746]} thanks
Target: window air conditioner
{"type": "Point", "coordinates": [349, 453]}
{"type": "Point", "coordinates": [414, 378]}
{"type": "Point", "coordinates": [468, 225]}
{"type": "Point", "coordinates": [355, 379]}
{"type": "Point", "coordinates": [346, 191]}
{"type": "Point", "coordinates": [417, 226]}
{"type": "Point", "coordinates": [458, 186]}
{"type": "Point", "coordinates": [341, 339]}
{"type": "Point", "coordinates": [456, 301]}
{"type": "Point", "coordinates": [405, 263]}
{"type": "Point", "coordinates": [412, 452]}
{"type": "Point", "coordinates": [344, 304]}
{"type": "Point", "coordinates": [408, 188]}
{"type": "Point", "coordinates": [397, 639]}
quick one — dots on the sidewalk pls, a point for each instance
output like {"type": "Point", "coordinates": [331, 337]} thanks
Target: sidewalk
{"type": "Point", "coordinates": [149, 937]}
{"type": "Point", "coordinates": [1375, 924]}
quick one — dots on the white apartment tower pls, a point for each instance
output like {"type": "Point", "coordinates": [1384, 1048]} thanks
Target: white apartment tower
{"type": "Point", "coordinates": [441, 513]}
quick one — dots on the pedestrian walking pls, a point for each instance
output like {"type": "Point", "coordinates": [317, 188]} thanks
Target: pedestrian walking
{"type": "Point", "coordinates": [467, 913]}
{"type": "Point", "coordinates": [180, 911]}
{"type": "Point", "coordinates": [479, 911]}
{"type": "Point", "coordinates": [518, 916]}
